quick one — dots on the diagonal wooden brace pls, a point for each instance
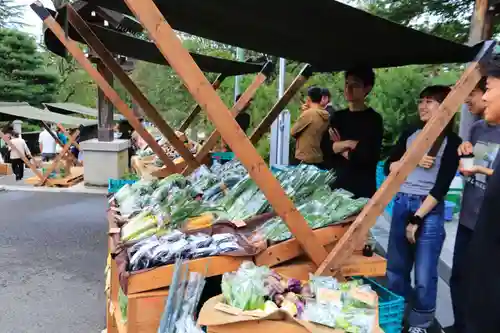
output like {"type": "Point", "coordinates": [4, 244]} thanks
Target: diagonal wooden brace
{"type": "Point", "coordinates": [367, 218]}
{"type": "Point", "coordinates": [149, 110]}
{"type": "Point", "coordinates": [58, 158]}
{"type": "Point", "coordinates": [110, 93]}
{"type": "Point", "coordinates": [23, 157]}
{"type": "Point", "coordinates": [65, 131]}
{"type": "Point", "coordinates": [280, 105]}
{"type": "Point", "coordinates": [238, 106]}
{"type": "Point", "coordinates": [178, 57]}
{"type": "Point", "coordinates": [196, 110]}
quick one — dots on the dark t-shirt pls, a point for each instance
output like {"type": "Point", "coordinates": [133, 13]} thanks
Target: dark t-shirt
{"type": "Point", "coordinates": [243, 119]}
{"type": "Point", "coordinates": [358, 173]}
{"type": "Point", "coordinates": [482, 266]}
{"type": "Point", "coordinates": [486, 141]}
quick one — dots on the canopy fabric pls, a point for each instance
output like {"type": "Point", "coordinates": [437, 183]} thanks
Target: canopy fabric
{"type": "Point", "coordinates": [326, 34]}
{"type": "Point", "coordinates": [129, 46]}
{"type": "Point", "coordinates": [24, 110]}
{"type": "Point", "coordinates": [69, 108]}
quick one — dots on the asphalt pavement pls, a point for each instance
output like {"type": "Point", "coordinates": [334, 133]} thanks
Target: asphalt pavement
{"type": "Point", "coordinates": [52, 259]}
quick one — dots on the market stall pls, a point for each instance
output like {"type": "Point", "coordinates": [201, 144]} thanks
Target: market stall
{"type": "Point", "coordinates": [289, 217]}
{"type": "Point", "coordinates": [63, 170]}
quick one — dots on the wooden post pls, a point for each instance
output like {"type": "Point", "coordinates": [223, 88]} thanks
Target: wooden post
{"type": "Point", "coordinates": [149, 110]}
{"type": "Point", "coordinates": [104, 107]}
{"type": "Point", "coordinates": [59, 157]}
{"type": "Point", "coordinates": [280, 105]}
{"type": "Point", "coordinates": [189, 119]}
{"type": "Point", "coordinates": [367, 218]}
{"type": "Point", "coordinates": [112, 95]}
{"type": "Point", "coordinates": [238, 106]}
{"type": "Point", "coordinates": [23, 157]}
{"type": "Point", "coordinates": [197, 84]}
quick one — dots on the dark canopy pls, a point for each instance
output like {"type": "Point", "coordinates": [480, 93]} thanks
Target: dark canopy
{"type": "Point", "coordinates": [129, 46]}
{"type": "Point", "coordinates": [327, 34]}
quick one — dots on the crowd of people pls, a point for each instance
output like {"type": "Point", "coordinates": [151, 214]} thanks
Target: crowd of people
{"type": "Point", "coordinates": [349, 141]}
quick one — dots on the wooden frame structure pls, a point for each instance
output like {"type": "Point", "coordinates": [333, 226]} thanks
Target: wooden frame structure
{"type": "Point", "coordinates": [202, 90]}
{"type": "Point", "coordinates": [181, 61]}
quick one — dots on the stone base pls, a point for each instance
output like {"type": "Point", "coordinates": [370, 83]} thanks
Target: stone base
{"type": "Point", "coordinates": [104, 160]}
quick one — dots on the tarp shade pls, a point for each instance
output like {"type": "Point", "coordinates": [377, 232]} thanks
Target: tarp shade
{"type": "Point", "coordinates": [70, 108]}
{"type": "Point", "coordinates": [24, 110]}
{"type": "Point", "coordinates": [129, 46]}
{"type": "Point", "coordinates": [327, 34]}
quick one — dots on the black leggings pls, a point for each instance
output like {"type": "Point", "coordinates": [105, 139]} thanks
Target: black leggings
{"type": "Point", "coordinates": [18, 168]}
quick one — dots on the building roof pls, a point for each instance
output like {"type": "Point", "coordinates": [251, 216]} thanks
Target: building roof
{"type": "Point", "coordinates": [71, 108]}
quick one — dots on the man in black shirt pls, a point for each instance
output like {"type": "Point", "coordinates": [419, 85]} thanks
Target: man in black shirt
{"type": "Point", "coordinates": [352, 145]}
{"type": "Point", "coordinates": [481, 268]}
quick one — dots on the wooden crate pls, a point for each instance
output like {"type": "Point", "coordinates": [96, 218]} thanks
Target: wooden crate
{"type": "Point", "coordinates": [5, 169]}
{"type": "Point", "coordinates": [75, 177]}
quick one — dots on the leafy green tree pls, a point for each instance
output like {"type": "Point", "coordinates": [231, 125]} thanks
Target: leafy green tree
{"type": "Point", "coordinates": [449, 19]}
{"type": "Point", "coordinates": [23, 73]}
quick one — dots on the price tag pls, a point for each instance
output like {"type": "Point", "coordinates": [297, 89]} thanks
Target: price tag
{"type": "Point", "coordinates": [328, 296]}
{"type": "Point", "coordinates": [239, 223]}
{"type": "Point", "coordinates": [367, 297]}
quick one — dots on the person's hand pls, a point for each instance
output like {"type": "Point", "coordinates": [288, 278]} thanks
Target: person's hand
{"type": "Point", "coordinates": [334, 134]}
{"type": "Point", "coordinates": [341, 146]}
{"type": "Point", "coordinates": [414, 222]}
{"type": "Point", "coordinates": [304, 107]}
{"type": "Point", "coordinates": [411, 232]}
{"type": "Point", "coordinates": [394, 165]}
{"type": "Point", "coordinates": [345, 154]}
{"type": "Point", "coordinates": [427, 162]}
{"type": "Point", "coordinates": [465, 148]}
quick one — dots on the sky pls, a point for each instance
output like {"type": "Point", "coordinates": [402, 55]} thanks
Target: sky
{"type": "Point", "coordinates": [32, 21]}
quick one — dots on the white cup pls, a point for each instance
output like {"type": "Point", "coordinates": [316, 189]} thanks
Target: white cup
{"type": "Point", "coordinates": [467, 163]}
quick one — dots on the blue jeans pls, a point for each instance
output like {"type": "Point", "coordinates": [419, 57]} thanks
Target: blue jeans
{"type": "Point", "coordinates": [401, 256]}
{"type": "Point", "coordinates": [457, 286]}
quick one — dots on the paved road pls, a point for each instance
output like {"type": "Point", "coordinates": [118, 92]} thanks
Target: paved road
{"type": "Point", "coordinates": [52, 257]}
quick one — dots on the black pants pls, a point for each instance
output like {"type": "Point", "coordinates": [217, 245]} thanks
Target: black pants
{"type": "Point", "coordinates": [18, 168]}
{"type": "Point", "coordinates": [457, 287]}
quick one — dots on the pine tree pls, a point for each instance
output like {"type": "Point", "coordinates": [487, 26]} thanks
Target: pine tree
{"type": "Point", "coordinates": [23, 73]}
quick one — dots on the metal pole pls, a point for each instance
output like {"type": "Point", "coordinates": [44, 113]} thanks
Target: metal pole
{"type": "Point", "coordinates": [280, 130]}
{"type": "Point", "coordinates": [240, 55]}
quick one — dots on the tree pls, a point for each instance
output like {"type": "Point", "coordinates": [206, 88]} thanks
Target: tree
{"type": "Point", "coordinates": [11, 14]}
{"type": "Point", "coordinates": [23, 73]}
{"type": "Point", "coordinates": [449, 19]}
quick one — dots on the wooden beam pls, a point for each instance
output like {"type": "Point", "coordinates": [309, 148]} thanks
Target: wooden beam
{"type": "Point", "coordinates": [58, 158]}
{"type": "Point", "coordinates": [147, 108]}
{"type": "Point", "coordinates": [238, 106]}
{"type": "Point", "coordinates": [111, 93]}
{"type": "Point", "coordinates": [23, 157]}
{"type": "Point", "coordinates": [196, 110]}
{"type": "Point", "coordinates": [478, 22]}
{"type": "Point", "coordinates": [368, 216]}
{"type": "Point", "coordinates": [65, 131]}
{"type": "Point", "coordinates": [181, 61]}
{"type": "Point", "coordinates": [280, 105]}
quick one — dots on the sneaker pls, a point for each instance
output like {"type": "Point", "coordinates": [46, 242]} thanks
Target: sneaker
{"type": "Point", "coordinates": [417, 330]}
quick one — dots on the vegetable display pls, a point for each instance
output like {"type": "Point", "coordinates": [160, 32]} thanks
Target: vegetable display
{"type": "Point", "coordinates": [155, 211]}
{"type": "Point", "coordinates": [350, 306]}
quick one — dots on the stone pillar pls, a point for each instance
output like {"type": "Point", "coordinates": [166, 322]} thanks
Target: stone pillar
{"type": "Point", "coordinates": [18, 126]}
{"type": "Point", "coordinates": [104, 107]}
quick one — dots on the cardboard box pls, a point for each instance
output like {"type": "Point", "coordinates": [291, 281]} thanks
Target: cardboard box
{"type": "Point", "coordinates": [222, 318]}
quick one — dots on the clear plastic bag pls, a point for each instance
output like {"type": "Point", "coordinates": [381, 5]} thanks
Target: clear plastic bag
{"type": "Point", "coordinates": [245, 288]}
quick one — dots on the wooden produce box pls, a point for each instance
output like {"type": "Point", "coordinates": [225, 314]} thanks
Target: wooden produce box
{"type": "Point", "coordinates": [5, 169]}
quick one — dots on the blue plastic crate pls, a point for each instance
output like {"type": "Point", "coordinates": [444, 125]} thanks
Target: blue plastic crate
{"type": "Point", "coordinates": [391, 308]}
{"type": "Point", "coordinates": [114, 185]}
{"type": "Point", "coordinates": [380, 179]}
{"type": "Point", "coordinates": [223, 156]}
